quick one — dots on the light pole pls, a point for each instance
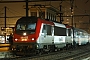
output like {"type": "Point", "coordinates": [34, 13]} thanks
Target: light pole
{"type": "Point", "coordinates": [5, 24]}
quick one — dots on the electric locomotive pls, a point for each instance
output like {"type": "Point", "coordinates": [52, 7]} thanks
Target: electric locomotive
{"type": "Point", "coordinates": [35, 34]}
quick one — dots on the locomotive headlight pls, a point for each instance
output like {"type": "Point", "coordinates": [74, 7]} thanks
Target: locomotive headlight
{"type": "Point", "coordinates": [24, 33]}
{"type": "Point", "coordinates": [32, 38]}
{"type": "Point", "coordinates": [16, 39]}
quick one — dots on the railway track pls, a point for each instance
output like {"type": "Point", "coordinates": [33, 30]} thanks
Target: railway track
{"type": "Point", "coordinates": [78, 53]}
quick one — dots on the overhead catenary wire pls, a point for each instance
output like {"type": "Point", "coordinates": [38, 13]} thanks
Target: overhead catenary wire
{"type": "Point", "coordinates": [12, 11]}
{"type": "Point", "coordinates": [87, 1]}
{"type": "Point", "coordinates": [1, 10]}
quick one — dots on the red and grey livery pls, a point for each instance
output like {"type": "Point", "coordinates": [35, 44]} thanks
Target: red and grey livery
{"type": "Point", "coordinates": [35, 34]}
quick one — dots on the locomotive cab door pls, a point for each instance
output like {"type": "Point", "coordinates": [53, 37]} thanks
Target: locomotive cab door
{"type": "Point", "coordinates": [46, 35]}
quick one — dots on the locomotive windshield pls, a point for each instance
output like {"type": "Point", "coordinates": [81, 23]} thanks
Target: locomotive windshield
{"type": "Point", "coordinates": [30, 26]}
{"type": "Point", "coordinates": [26, 25]}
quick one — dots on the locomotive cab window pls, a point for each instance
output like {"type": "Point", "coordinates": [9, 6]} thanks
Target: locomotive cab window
{"type": "Point", "coordinates": [21, 27]}
{"type": "Point", "coordinates": [31, 26]}
{"type": "Point", "coordinates": [49, 30]}
{"type": "Point", "coordinates": [46, 29]}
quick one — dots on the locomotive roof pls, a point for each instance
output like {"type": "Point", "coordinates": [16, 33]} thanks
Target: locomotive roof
{"type": "Point", "coordinates": [27, 19]}
{"type": "Point", "coordinates": [59, 25]}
